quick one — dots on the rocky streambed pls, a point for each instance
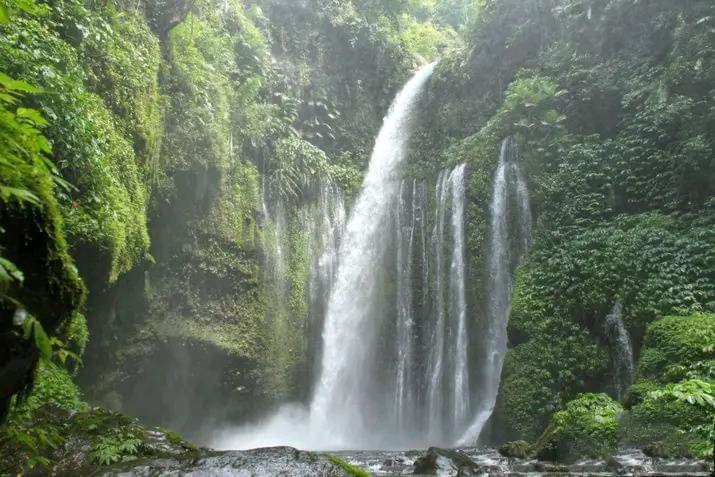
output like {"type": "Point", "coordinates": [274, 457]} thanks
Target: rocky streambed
{"type": "Point", "coordinates": [286, 461]}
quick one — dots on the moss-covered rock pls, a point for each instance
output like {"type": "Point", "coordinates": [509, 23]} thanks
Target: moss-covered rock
{"type": "Point", "coordinates": [516, 449]}
{"type": "Point", "coordinates": [672, 403]}
{"type": "Point", "coordinates": [586, 427]}
{"type": "Point", "coordinates": [82, 442]}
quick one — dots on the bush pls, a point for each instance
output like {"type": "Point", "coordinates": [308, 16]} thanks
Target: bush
{"type": "Point", "coordinates": [674, 344]}
{"type": "Point", "coordinates": [675, 420]}
{"type": "Point", "coordinates": [587, 427]}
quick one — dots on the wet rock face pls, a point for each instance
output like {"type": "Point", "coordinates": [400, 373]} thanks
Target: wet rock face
{"type": "Point", "coordinates": [516, 449]}
{"type": "Point", "coordinates": [445, 462]}
{"type": "Point", "coordinates": [273, 461]}
{"type": "Point", "coordinates": [166, 14]}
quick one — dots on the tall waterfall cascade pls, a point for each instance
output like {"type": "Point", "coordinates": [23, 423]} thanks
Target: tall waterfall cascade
{"type": "Point", "coordinates": [510, 199]}
{"type": "Point", "coordinates": [309, 233]}
{"type": "Point", "coordinates": [622, 367]}
{"type": "Point", "coordinates": [402, 361]}
{"type": "Point", "coordinates": [350, 400]}
{"type": "Point", "coordinates": [322, 220]}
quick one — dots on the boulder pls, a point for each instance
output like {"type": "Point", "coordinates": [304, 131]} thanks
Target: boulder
{"type": "Point", "coordinates": [516, 450]}
{"type": "Point", "coordinates": [445, 462]}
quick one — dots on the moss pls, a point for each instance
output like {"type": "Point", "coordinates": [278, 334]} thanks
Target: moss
{"type": "Point", "coordinates": [586, 427]}
{"type": "Point", "coordinates": [105, 213]}
{"type": "Point", "coordinates": [122, 65]}
{"type": "Point", "coordinates": [673, 344]}
{"type": "Point", "coordinates": [109, 215]}
{"type": "Point", "coordinates": [77, 333]}
{"type": "Point", "coordinates": [350, 469]}
{"type": "Point", "coordinates": [241, 338]}
{"type": "Point", "coordinates": [196, 83]}
{"type": "Point", "coordinates": [671, 402]}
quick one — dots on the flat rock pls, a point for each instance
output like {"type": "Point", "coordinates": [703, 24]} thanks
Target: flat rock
{"type": "Point", "coordinates": [272, 461]}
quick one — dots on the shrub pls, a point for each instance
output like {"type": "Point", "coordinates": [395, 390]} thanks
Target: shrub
{"type": "Point", "coordinates": [586, 427]}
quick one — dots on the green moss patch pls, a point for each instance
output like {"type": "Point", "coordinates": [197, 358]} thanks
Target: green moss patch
{"type": "Point", "coordinates": [586, 427]}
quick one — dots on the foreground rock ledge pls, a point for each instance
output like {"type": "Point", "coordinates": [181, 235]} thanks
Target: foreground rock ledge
{"type": "Point", "coordinates": [271, 461]}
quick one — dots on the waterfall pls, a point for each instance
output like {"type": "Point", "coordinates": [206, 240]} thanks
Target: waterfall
{"type": "Point", "coordinates": [621, 351]}
{"type": "Point", "coordinates": [405, 237]}
{"type": "Point", "coordinates": [327, 228]}
{"type": "Point", "coordinates": [509, 187]}
{"type": "Point", "coordinates": [458, 299]}
{"type": "Point", "coordinates": [343, 402]}
{"type": "Point", "coordinates": [389, 293]}
{"type": "Point", "coordinates": [436, 349]}
{"type": "Point", "coordinates": [447, 362]}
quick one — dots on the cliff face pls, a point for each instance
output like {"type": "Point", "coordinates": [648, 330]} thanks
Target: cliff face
{"type": "Point", "coordinates": [610, 104]}
{"type": "Point", "coordinates": [179, 126]}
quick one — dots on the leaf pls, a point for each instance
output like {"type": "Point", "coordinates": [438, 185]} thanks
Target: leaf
{"type": "Point", "coordinates": [32, 115]}
{"type": "Point", "coordinates": [4, 15]}
{"type": "Point", "coordinates": [21, 195]}
{"type": "Point", "coordinates": [42, 341]}
{"type": "Point", "coordinates": [16, 85]}
{"type": "Point", "coordinates": [9, 271]}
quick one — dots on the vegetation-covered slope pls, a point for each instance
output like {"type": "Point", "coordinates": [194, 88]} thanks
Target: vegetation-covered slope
{"type": "Point", "coordinates": [611, 103]}
{"type": "Point", "coordinates": [137, 138]}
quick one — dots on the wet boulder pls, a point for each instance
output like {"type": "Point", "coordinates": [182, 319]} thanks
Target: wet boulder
{"type": "Point", "coordinates": [445, 462]}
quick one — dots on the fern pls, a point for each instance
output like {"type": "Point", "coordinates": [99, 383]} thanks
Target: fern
{"type": "Point", "coordinates": [120, 446]}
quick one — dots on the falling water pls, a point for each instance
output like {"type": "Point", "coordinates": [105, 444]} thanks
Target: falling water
{"type": "Point", "coordinates": [447, 362]}
{"type": "Point", "coordinates": [621, 351]}
{"type": "Point", "coordinates": [394, 355]}
{"type": "Point", "coordinates": [458, 300]}
{"type": "Point", "coordinates": [327, 227]}
{"type": "Point", "coordinates": [509, 186]}
{"type": "Point", "coordinates": [435, 365]}
{"type": "Point", "coordinates": [342, 399]}
{"type": "Point", "coordinates": [405, 238]}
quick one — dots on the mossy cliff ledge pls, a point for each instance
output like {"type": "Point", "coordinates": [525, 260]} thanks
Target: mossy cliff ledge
{"type": "Point", "coordinates": [160, 139]}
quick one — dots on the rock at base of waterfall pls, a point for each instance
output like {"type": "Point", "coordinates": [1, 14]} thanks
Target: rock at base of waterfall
{"type": "Point", "coordinates": [445, 462]}
{"type": "Point", "coordinates": [268, 461]}
{"type": "Point", "coordinates": [516, 449]}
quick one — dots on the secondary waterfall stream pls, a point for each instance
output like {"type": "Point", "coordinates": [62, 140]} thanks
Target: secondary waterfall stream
{"type": "Point", "coordinates": [509, 188]}
{"type": "Point", "coordinates": [397, 365]}
{"type": "Point", "coordinates": [619, 342]}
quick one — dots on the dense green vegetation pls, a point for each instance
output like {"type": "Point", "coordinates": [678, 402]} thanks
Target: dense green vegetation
{"type": "Point", "coordinates": [671, 401]}
{"type": "Point", "coordinates": [611, 103]}
{"type": "Point", "coordinates": [139, 142]}
{"type": "Point", "coordinates": [136, 138]}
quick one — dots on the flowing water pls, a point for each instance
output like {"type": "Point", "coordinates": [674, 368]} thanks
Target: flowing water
{"type": "Point", "coordinates": [344, 405]}
{"type": "Point", "coordinates": [389, 293]}
{"type": "Point", "coordinates": [447, 352]}
{"type": "Point", "coordinates": [622, 366]}
{"type": "Point", "coordinates": [509, 188]}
